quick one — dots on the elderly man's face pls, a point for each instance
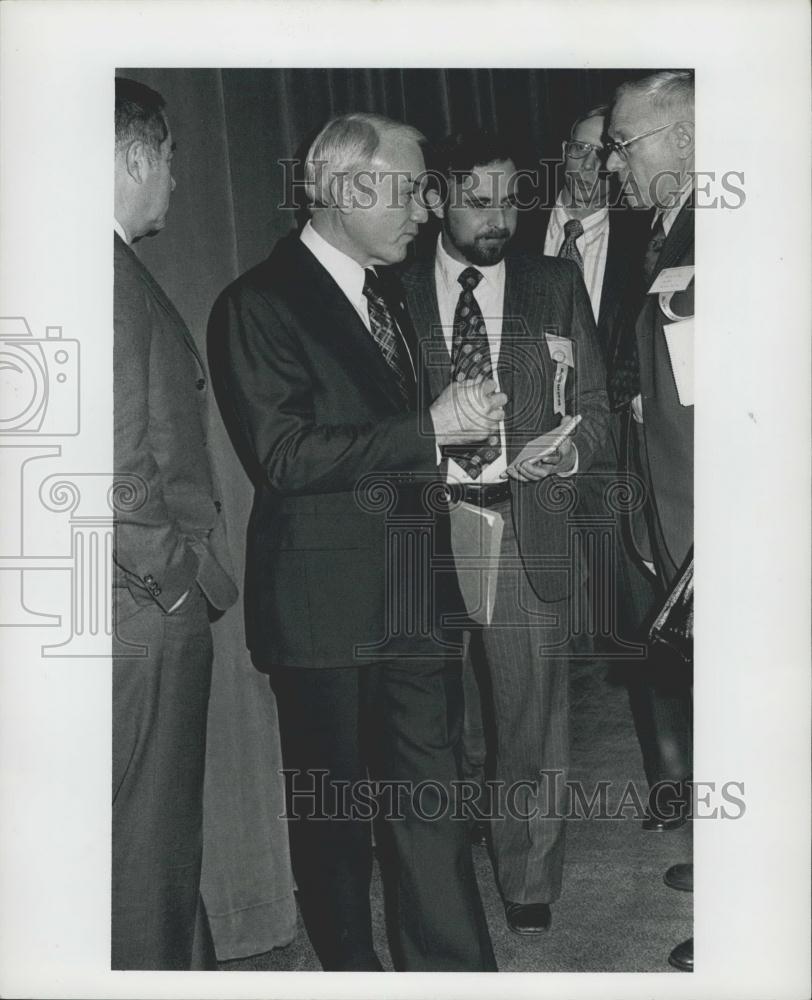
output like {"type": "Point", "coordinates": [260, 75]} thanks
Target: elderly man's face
{"type": "Point", "coordinates": [649, 169]}
{"type": "Point", "coordinates": [582, 173]}
{"type": "Point", "coordinates": [481, 214]}
{"type": "Point", "coordinates": [387, 206]}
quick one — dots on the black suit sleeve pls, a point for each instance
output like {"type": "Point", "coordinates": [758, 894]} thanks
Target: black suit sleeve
{"type": "Point", "coordinates": [270, 383]}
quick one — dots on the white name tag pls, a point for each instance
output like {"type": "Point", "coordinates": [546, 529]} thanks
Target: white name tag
{"type": "Point", "coordinates": [561, 352]}
{"type": "Point", "coordinates": [560, 389]}
{"type": "Point", "coordinates": [673, 279]}
{"type": "Point", "coordinates": [560, 349]}
{"type": "Point", "coordinates": [680, 340]}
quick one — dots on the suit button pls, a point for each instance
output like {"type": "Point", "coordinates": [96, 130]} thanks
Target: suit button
{"type": "Point", "coordinates": [149, 578]}
{"type": "Point", "coordinates": [201, 383]}
{"type": "Point", "coordinates": [218, 506]}
{"type": "Point", "coordinates": [156, 591]}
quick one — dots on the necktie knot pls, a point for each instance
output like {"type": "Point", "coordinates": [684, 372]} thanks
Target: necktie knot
{"type": "Point", "coordinates": [372, 286]}
{"type": "Point", "coordinates": [470, 278]}
{"type": "Point", "coordinates": [573, 229]}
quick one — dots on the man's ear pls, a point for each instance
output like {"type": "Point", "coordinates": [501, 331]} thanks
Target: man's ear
{"type": "Point", "coordinates": [136, 160]}
{"type": "Point", "coordinates": [684, 139]}
{"type": "Point", "coordinates": [340, 192]}
{"type": "Point", "coordinates": [434, 203]}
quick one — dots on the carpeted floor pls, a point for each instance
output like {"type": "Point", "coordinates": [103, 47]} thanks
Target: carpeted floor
{"type": "Point", "coordinates": [615, 913]}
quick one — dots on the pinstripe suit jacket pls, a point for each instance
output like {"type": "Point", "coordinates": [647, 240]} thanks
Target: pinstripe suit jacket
{"type": "Point", "coordinates": [542, 295]}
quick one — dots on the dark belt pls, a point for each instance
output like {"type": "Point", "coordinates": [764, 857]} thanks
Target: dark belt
{"type": "Point", "coordinates": [481, 496]}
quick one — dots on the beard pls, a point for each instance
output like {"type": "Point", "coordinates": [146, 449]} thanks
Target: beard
{"type": "Point", "coordinates": [485, 250]}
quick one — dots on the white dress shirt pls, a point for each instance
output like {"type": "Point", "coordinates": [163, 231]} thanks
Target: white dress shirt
{"type": "Point", "coordinates": [490, 295]}
{"type": "Point", "coordinates": [349, 276]}
{"type": "Point", "coordinates": [345, 272]}
{"type": "Point", "coordinates": [592, 246]}
{"type": "Point", "coordinates": [120, 230]}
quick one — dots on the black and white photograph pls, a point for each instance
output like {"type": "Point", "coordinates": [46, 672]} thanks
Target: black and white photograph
{"type": "Point", "coordinates": [353, 501]}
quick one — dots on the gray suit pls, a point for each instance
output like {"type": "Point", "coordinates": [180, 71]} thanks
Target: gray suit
{"type": "Point", "coordinates": [167, 528]}
{"type": "Point", "coordinates": [528, 644]}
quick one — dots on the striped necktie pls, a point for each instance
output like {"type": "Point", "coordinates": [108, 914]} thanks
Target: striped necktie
{"type": "Point", "coordinates": [569, 250]}
{"type": "Point", "coordinates": [386, 334]}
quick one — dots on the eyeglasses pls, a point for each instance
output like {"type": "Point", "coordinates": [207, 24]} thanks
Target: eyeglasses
{"type": "Point", "coordinates": [578, 150]}
{"type": "Point", "coordinates": [619, 147]}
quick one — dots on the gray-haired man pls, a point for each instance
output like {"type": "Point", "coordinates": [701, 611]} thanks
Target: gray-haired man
{"type": "Point", "coordinates": [321, 385]}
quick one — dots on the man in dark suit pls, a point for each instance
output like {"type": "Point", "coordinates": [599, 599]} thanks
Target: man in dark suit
{"type": "Point", "coordinates": [608, 243]}
{"type": "Point", "coordinates": [528, 319]}
{"type": "Point", "coordinates": [651, 143]}
{"type": "Point", "coordinates": [166, 575]}
{"type": "Point", "coordinates": [320, 385]}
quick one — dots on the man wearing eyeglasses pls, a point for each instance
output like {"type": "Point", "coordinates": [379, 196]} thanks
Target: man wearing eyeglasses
{"type": "Point", "coordinates": [608, 246]}
{"type": "Point", "coordinates": [651, 149]}
{"type": "Point", "coordinates": [605, 245]}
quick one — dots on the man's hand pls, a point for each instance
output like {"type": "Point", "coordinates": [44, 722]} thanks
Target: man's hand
{"type": "Point", "coordinates": [557, 463]}
{"type": "Point", "coordinates": [467, 412]}
{"type": "Point", "coordinates": [552, 454]}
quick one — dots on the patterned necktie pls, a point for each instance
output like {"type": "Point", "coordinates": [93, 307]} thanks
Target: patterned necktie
{"type": "Point", "coordinates": [655, 245]}
{"type": "Point", "coordinates": [470, 359]}
{"type": "Point", "coordinates": [624, 379]}
{"type": "Point", "coordinates": [569, 251]}
{"type": "Point", "coordinates": [386, 335]}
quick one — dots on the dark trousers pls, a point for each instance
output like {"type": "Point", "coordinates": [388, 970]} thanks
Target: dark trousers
{"type": "Point", "coordinates": [393, 721]}
{"type": "Point", "coordinates": [521, 661]}
{"type": "Point", "coordinates": [659, 690]}
{"type": "Point", "coordinates": [160, 703]}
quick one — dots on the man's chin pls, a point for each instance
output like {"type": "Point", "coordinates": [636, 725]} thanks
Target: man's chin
{"type": "Point", "coordinates": [487, 252]}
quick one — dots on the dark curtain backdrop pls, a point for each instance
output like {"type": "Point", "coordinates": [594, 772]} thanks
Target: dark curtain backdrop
{"type": "Point", "coordinates": [232, 128]}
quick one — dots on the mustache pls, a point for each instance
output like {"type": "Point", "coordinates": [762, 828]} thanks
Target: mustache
{"type": "Point", "coordinates": [494, 234]}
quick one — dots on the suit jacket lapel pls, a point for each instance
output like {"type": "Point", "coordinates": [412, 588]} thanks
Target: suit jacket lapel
{"type": "Point", "coordinates": [424, 310]}
{"type": "Point", "coordinates": [523, 347]}
{"type": "Point", "coordinates": [679, 238]}
{"type": "Point", "coordinates": [614, 275]}
{"type": "Point", "coordinates": [330, 314]}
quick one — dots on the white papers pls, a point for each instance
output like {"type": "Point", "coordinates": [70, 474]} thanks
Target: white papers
{"type": "Point", "coordinates": [680, 340]}
{"type": "Point", "coordinates": [546, 444]}
{"type": "Point", "coordinates": [476, 540]}
{"type": "Point", "coordinates": [673, 279]}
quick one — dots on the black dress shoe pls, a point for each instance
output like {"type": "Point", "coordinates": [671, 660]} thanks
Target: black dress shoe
{"type": "Point", "coordinates": [682, 957]}
{"type": "Point", "coordinates": [528, 918]}
{"type": "Point", "coordinates": [680, 877]}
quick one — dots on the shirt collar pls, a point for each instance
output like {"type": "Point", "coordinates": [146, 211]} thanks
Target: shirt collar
{"type": "Point", "coordinates": [669, 215]}
{"type": "Point", "coordinates": [451, 269]}
{"type": "Point", "coordinates": [590, 222]}
{"type": "Point", "coordinates": [346, 272]}
{"type": "Point", "coordinates": [120, 230]}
